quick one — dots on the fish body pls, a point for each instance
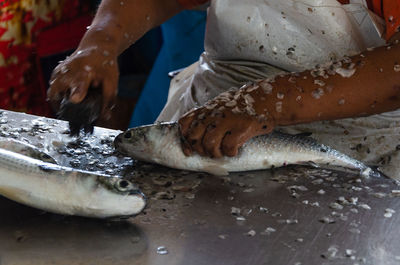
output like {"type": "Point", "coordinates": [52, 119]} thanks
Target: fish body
{"type": "Point", "coordinates": [65, 190]}
{"type": "Point", "coordinates": [26, 149]}
{"type": "Point", "coordinates": [160, 143]}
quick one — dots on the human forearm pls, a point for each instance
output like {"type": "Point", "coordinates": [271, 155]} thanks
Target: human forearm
{"type": "Point", "coordinates": [364, 85]}
{"type": "Point", "coordinates": [118, 24]}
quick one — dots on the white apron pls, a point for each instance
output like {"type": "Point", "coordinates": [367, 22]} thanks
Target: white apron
{"type": "Point", "coordinates": [254, 39]}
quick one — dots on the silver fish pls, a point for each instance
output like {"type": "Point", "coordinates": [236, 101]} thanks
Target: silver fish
{"type": "Point", "coordinates": [65, 190]}
{"type": "Point", "coordinates": [26, 149]}
{"type": "Point", "coordinates": [160, 143]}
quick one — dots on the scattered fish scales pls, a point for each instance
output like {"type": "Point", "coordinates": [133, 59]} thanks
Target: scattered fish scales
{"type": "Point", "coordinates": [223, 236]}
{"type": "Point", "coordinates": [295, 187]}
{"type": "Point", "coordinates": [269, 230]}
{"type": "Point", "coordinates": [251, 233]}
{"type": "Point", "coordinates": [353, 210]}
{"type": "Point", "coordinates": [364, 206]}
{"type": "Point", "coordinates": [389, 210]}
{"type": "Point", "coordinates": [240, 218]}
{"type": "Point", "coordinates": [235, 211]}
{"type": "Point", "coordinates": [331, 253]}
{"type": "Point", "coordinates": [354, 230]}
{"type": "Point", "coordinates": [162, 250]}
{"type": "Point", "coordinates": [389, 213]}
{"type": "Point", "coordinates": [353, 200]}
{"type": "Point", "coordinates": [190, 196]}
{"type": "Point", "coordinates": [288, 221]}
{"type": "Point", "coordinates": [317, 181]}
{"type": "Point", "coordinates": [336, 206]}
{"type": "Point", "coordinates": [355, 188]}
{"type": "Point", "coordinates": [350, 252]}
{"type": "Point", "coordinates": [379, 195]}
{"type": "Point", "coordinates": [327, 220]}
{"type": "Point", "coordinates": [396, 193]}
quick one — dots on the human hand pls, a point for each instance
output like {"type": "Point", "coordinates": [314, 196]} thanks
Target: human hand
{"type": "Point", "coordinates": [223, 125]}
{"type": "Point", "coordinates": [88, 67]}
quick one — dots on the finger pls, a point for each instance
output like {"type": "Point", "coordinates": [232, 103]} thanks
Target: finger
{"type": "Point", "coordinates": [185, 122]}
{"type": "Point", "coordinates": [186, 148]}
{"type": "Point", "coordinates": [55, 92]}
{"type": "Point", "coordinates": [212, 140]}
{"type": "Point", "coordinates": [233, 141]}
{"type": "Point", "coordinates": [195, 135]}
{"type": "Point", "coordinates": [79, 92]}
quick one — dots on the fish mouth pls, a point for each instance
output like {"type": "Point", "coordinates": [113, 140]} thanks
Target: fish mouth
{"type": "Point", "coordinates": [138, 194]}
{"type": "Point", "coordinates": [119, 144]}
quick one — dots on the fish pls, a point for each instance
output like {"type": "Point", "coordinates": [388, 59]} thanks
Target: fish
{"type": "Point", "coordinates": [26, 149]}
{"type": "Point", "coordinates": [161, 144]}
{"type": "Point", "coordinates": [65, 190]}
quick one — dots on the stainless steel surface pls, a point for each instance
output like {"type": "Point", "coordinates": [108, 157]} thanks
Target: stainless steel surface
{"type": "Point", "coordinates": [191, 214]}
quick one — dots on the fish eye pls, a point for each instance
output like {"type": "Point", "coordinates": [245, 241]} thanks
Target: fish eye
{"type": "Point", "coordinates": [128, 134]}
{"type": "Point", "coordinates": [123, 185]}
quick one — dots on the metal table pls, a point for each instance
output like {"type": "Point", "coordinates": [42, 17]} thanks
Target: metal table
{"type": "Point", "coordinates": [292, 215]}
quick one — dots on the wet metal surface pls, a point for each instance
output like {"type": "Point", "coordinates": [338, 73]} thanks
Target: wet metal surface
{"type": "Point", "coordinates": [292, 215]}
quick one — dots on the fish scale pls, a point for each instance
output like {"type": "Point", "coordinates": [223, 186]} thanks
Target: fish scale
{"type": "Point", "coordinates": [160, 143]}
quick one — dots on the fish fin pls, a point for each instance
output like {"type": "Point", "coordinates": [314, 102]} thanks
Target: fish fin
{"type": "Point", "coordinates": [373, 171]}
{"type": "Point", "coordinates": [216, 170]}
{"type": "Point", "coordinates": [311, 164]}
{"type": "Point", "coordinates": [303, 134]}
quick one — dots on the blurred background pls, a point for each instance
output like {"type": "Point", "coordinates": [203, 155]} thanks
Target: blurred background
{"type": "Point", "coordinates": [36, 34]}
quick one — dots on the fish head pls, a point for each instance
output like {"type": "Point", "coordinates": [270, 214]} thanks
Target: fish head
{"type": "Point", "coordinates": [134, 141]}
{"type": "Point", "coordinates": [119, 197]}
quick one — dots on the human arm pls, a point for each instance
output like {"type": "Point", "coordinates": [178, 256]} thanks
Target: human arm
{"type": "Point", "coordinates": [362, 85]}
{"type": "Point", "coordinates": [116, 26]}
